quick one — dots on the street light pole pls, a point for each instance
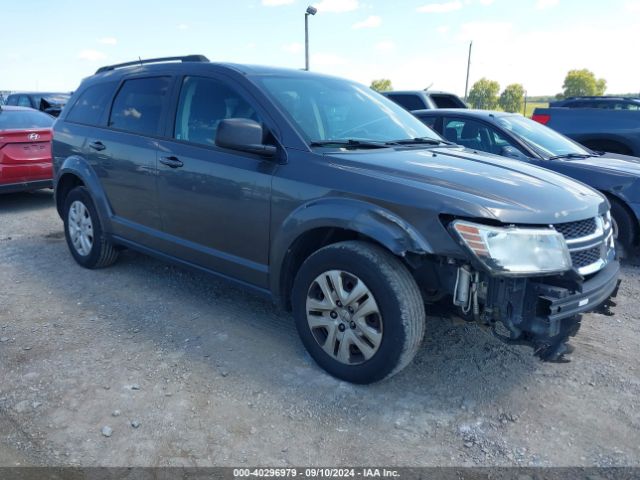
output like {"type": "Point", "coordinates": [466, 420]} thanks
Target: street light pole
{"type": "Point", "coordinates": [310, 11]}
{"type": "Point", "coordinates": [466, 85]}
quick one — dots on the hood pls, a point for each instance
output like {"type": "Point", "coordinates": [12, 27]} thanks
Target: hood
{"type": "Point", "coordinates": [610, 162]}
{"type": "Point", "coordinates": [477, 184]}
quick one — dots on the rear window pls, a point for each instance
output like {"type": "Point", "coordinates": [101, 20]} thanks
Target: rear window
{"type": "Point", "coordinates": [410, 102]}
{"type": "Point", "coordinates": [24, 119]}
{"type": "Point", "coordinates": [447, 101]}
{"type": "Point", "coordinates": [91, 104]}
{"type": "Point", "coordinates": [137, 107]}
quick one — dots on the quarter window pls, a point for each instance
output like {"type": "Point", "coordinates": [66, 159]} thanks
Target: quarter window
{"type": "Point", "coordinates": [205, 102]}
{"type": "Point", "coordinates": [138, 105]}
{"type": "Point", "coordinates": [91, 104]}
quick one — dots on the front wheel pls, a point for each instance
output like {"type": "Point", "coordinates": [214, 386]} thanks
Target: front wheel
{"type": "Point", "coordinates": [358, 311]}
{"type": "Point", "coordinates": [83, 231]}
{"type": "Point", "coordinates": [624, 228]}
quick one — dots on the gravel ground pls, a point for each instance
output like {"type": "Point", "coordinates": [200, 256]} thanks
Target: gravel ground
{"type": "Point", "coordinates": [184, 370]}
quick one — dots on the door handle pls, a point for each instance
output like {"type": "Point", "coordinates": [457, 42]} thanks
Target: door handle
{"type": "Point", "coordinates": [97, 145]}
{"type": "Point", "coordinates": [173, 162]}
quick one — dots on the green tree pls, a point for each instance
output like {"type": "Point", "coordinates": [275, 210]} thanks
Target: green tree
{"type": "Point", "coordinates": [382, 85]}
{"type": "Point", "coordinates": [484, 94]}
{"type": "Point", "coordinates": [583, 82]}
{"type": "Point", "coordinates": [512, 98]}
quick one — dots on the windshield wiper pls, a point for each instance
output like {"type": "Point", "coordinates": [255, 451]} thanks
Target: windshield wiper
{"type": "Point", "coordinates": [420, 141]}
{"type": "Point", "coordinates": [569, 155]}
{"type": "Point", "coordinates": [350, 143]}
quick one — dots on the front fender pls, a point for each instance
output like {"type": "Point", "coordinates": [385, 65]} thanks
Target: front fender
{"type": "Point", "coordinates": [367, 219]}
{"type": "Point", "coordinates": [80, 168]}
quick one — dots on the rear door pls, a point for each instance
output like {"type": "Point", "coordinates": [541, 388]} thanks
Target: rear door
{"type": "Point", "coordinates": [125, 154]}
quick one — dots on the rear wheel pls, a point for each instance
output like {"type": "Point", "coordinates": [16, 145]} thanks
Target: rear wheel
{"type": "Point", "coordinates": [83, 231]}
{"type": "Point", "coordinates": [358, 311]}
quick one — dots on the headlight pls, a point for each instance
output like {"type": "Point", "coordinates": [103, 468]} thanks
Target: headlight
{"type": "Point", "coordinates": [515, 251]}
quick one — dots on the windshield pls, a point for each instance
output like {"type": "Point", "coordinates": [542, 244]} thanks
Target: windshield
{"type": "Point", "coordinates": [24, 119]}
{"type": "Point", "coordinates": [326, 109]}
{"type": "Point", "coordinates": [544, 140]}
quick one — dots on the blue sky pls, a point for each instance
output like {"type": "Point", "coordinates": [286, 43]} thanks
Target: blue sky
{"type": "Point", "coordinates": [52, 45]}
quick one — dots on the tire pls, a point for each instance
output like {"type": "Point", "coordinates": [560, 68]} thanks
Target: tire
{"type": "Point", "coordinates": [625, 226]}
{"type": "Point", "coordinates": [83, 231]}
{"type": "Point", "coordinates": [386, 309]}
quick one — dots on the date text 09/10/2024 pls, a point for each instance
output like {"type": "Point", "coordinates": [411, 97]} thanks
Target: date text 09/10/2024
{"type": "Point", "coordinates": [314, 472]}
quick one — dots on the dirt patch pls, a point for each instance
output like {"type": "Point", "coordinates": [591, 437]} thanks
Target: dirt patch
{"type": "Point", "coordinates": [186, 370]}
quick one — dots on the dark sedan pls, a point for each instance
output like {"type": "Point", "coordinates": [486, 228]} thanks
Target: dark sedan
{"type": "Point", "coordinates": [51, 103]}
{"type": "Point", "coordinates": [512, 135]}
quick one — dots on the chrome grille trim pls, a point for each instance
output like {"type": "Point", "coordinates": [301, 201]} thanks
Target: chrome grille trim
{"type": "Point", "coordinates": [599, 237]}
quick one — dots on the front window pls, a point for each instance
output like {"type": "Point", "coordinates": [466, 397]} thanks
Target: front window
{"type": "Point", "coordinates": [544, 140]}
{"type": "Point", "coordinates": [204, 103]}
{"type": "Point", "coordinates": [326, 109]}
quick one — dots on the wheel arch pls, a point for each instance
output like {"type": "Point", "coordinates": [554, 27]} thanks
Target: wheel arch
{"type": "Point", "coordinates": [613, 198]}
{"type": "Point", "coordinates": [313, 226]}
{"type": "Point", "coordinates": [74, 172]}
{"type": "Point", "coordinates": [601, 142]}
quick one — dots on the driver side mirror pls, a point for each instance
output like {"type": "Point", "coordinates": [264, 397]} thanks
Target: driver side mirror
{"type": "Point", "coordinates": [512, 152]}
{"type": "Point", "coordinates": [243, 135]}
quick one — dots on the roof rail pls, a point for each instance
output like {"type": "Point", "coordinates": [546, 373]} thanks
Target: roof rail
{"type": "Point", "coordinates": [186, 58]}
{"type": "Point", "coordinates": [597, 97]}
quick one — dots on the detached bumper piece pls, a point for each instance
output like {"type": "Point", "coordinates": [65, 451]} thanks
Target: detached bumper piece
{"type": "Point", "coordinates": [544, 313]}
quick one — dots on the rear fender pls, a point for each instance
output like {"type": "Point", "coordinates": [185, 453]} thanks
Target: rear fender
{"type": "Point", "coordinates": [80, 168]}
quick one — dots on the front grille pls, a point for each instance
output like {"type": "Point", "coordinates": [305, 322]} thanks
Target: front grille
{"type": "Point", "coordinates": [573, 230]}
{"type": "Point", "coordinates": [586, 239]}
{"type": "Point", "coordinates": [584, 258]}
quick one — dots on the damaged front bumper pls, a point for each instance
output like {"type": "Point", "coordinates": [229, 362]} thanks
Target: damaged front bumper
{"type": "Point", "coordinates": [545, 312]}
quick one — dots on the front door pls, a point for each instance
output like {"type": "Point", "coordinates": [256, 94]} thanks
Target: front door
{"type": "Point", "coordinates": [214, 203]}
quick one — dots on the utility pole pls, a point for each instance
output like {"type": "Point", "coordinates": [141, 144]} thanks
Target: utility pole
{"type": "Point", "coordinates": [310, 11]}
{"type": "Point", "coordinates": [525, 104]}
{"type": "Point", "coordinates": [466, 85]}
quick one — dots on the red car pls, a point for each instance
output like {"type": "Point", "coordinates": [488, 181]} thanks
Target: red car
{"type": "Point", "coordinates": [25, 149]}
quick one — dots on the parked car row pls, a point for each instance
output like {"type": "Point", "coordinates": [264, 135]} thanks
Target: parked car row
{"type": "Point", "coordinates": [51, 103]}
{"type": "Point", "coordinates": [333, 201]}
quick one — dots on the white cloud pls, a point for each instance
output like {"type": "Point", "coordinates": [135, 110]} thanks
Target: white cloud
{"type": "Point", "coordinates": [543, 4]}
{"type": "Point", "coordinates": [293, 47]}
{"type": "Point", "coordinates": [441, 7]}
{"type": "Point", "coordinates": [385, 46]}
{"type": "Point", "coordinates": [442, 29]}
{"type": "Point", "coordinates": [486, 3]}
{"type": "Point", "coordinates": [327, 60]}
{"type": "Point", "coordinates": [91, 55]}
{"type": "Point", "coordinates": [337, 6]}
{"type": "Point", "coordinates": [108, 41]}
{"type": "Point", "coordinates": [183, 26]}
{"type": "Point", "coordinates": [276, 3]}
{"type": "Point", "coordinates": [372, 22]}
{"type": "Point", "coordinates": [632, 6]}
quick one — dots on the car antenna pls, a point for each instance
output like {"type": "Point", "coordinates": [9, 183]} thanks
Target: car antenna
{"type": "Point", "coordinates": [140, 58]}
{"type": "Point", "coordinates": [430, 85]}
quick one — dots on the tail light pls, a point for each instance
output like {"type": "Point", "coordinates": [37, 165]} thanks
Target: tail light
{"type": "Point", "coordinates": [541, 118]}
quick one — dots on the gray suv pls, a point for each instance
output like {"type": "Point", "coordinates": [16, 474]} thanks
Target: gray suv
{"type": "Point", "coordinates": [331, 200]}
